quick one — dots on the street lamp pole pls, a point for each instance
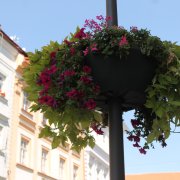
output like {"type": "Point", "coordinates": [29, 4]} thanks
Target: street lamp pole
{"type": "Point", "coordinates": [116, 144]}
{"type": "Point", "coordinates": [111, 10]}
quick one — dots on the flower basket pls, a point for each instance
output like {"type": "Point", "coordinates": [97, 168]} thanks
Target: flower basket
{"type": "Point", "coordinates": [124, 78]}
{"type": "Point", "coordinates": [70, 83]}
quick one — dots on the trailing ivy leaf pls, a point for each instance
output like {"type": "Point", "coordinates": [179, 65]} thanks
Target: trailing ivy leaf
{"type": "Point", "coordinates": [151, 137]}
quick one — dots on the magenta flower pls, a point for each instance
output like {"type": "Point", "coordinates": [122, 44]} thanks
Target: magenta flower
{"type": "Point", "coordinates": [94, 47]}
{"type": "Point", "coordinates": [97, 129]}
{"type": "Point", "coordinates": [53, 55]}
{"type": "Point", "coordinates": [90, 104]}
{"type": "Point", "coordinates": [67, 42]}
{"type": "Point", "coordinates": [86, 51]}
{"type": "Point", "coordinates": [72, 51]}
{"type": "Point", "coordinates": [81, 34]}
{"type": "Point", "coordinates": [123, 41]}
{"type": "Point", "coordinates": [48, 100]}
{"type": "Point", "coordinates": [73, 94]}
{"type": "Point", "coordinates": [68, 73]}
{"type": "Point", "coordinates": [134, 123]}
{"type": "Point", "coordinates": [86, 80]}
{"type": "Point", "coordinates": [142, 151]}
{"type": "Point", "coordinates": [100, 17]}
{"type": "Point", "coordinates": [52, 69]}
{"type": "Point", "coordinates": [136, 145]}
{"type": "Point", "coordinates": [87, 69]}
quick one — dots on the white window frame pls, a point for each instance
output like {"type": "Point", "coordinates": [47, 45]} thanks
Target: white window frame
{"type": "Point", "coordinates": [75, 172]}
{"type": "Point", "coordinates": [62, 165]}
{"type": "Point", "coordinates": [2, 79]}
{"type": "Point", "coordinates": [24, 146]}
{"type": "Point", "coordinates": [44, 160]}
{"type": "Point", "coordinates": [26, 102]}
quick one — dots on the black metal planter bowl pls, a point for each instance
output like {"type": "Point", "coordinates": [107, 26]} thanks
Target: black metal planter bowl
{"type": "Point", "coordinates": [125, 78]}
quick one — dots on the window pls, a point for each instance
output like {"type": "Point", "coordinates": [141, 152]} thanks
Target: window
{"type": "Point", "coordinates": [1, 128]}
{"type": "Point", "coordinates": [26, 102]}
{"type": "Point", "coordinates": [2, 78]}
{"type": "Point", "coordinates": [75, 172]}
{"type": "Point", "coordinates": [44, 160]}
{"type": "Point", "coordinates": [62, 169]}
{"type": "Point", "coordinates": [24, 151]}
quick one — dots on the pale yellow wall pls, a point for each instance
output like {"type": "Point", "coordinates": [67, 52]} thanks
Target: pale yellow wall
{"type": "Point", "coordinates": [29, 125]}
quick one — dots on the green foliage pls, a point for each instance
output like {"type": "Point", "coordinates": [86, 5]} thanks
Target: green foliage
{"type": "Point", "coordinates": [58, 69]}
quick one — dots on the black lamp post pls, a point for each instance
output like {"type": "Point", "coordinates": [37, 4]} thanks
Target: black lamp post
{"type": "Point", "coordinates": [116, 145]}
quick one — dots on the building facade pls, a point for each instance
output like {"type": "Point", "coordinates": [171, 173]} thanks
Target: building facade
{"type": "Point", "coordinates": [9, 53]}
{"type": "Point", "coordinates": [96, 160]}
{"type": "Point", "coordinates": [23, 155]}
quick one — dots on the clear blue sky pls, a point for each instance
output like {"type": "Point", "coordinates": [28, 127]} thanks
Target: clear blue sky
{"type": "Point", "coordinates": [36, 22]}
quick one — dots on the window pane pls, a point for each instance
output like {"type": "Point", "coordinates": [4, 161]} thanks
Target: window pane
{"type": "Point", "coordinates": [44, 160]}
{"type": "Point", "coordinates": [24, 151]}
{"type": "Point", "coordinates": [75, 173]}
{"type": "Point", "coordinates": [26, 102]}
{"type": "Point", "coordinates": [62, 169]}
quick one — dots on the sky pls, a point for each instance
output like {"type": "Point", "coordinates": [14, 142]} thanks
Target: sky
{"type": "Point", "coordinates": [36, 22]}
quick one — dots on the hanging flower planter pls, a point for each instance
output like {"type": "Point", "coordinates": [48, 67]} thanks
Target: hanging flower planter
{"type": "Point", "coordinates": [66, 82]}
{"type": "Point", "coordinates": [125, 78]}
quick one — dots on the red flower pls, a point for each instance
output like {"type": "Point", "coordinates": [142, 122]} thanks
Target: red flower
{"type": "Point", "coordinates": [48, 100]}
{"type": "Point", "coordinates": [81, 34]}
{"type": "Point", "coordinates": [86, 80]}
{"type": "Point", "coordinates": [53, 55]}
{"type": "Point", "coordinates": [142, 151]}
{"type": "Point", "coordinates": [67, 42]}
{"type": "Point", "coordinates": [72, 51]}
{"type": "Point", "coordinates": [123, 41]}
{"type": "Point", "coordinates": [52, 69]}
{"type": "Point", "coordinates": [86, 69]}
{"type": "Point", "coordinates": [136, 145]}
{"type": "Point", "coordinates": [72, 94]}
{"type": "Point", "coordinates": [97, 129]}
{"type": "Point", "coordinates": [134, 123]}
{"type": "Point", "coordinates": [90, 104]}
{"type": "Point", "coordinates": [96, 89]}
{"type": "Point", "coordinates": [68, 73]}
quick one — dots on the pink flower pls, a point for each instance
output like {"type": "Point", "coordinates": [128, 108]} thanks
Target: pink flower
{"type": "Point", "coordinates": [123, 41]}
{"type": "Point", "coordinates": [87, 69]}
{"type": "Point", "coordinates": [100, 17]}
{"type": "Point", "coordinates": [86, 51]}
{"type": "Point", "coordinates": [90, 104]}
{"type": "Point", "coordinates": [94, 47]}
